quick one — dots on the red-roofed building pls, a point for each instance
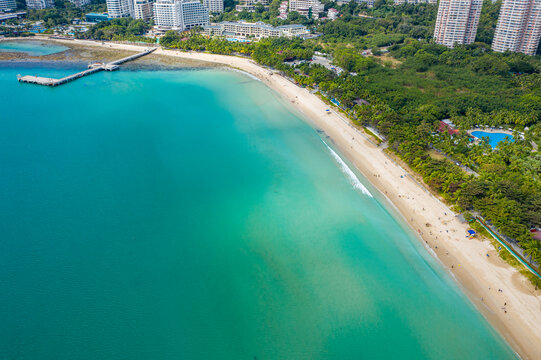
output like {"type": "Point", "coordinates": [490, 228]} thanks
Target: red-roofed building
{"type": "Point", "coordinates": [447, 126]}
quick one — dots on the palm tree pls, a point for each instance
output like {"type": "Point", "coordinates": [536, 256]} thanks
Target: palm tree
{"type": "Point", "coordinates": [532, 249]}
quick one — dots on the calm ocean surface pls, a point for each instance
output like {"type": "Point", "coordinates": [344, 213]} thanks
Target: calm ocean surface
{"type": "Point", "coordinates": [192, 214]}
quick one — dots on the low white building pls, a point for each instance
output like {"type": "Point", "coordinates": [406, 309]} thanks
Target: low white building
{"type": "Point", "coordinates": [80, 3]}
{"type": "Point", "coordinates": [250, 5]}
{"type": "Point", "coordinates": [369, 3]}
{"type": "Point", "coordinates": [39, 4]}
{"type": "Point", "coordinates": [283, 10]}
{"type": "Point", "coordinates": [332, 14]}
{"type": "Point", "coordinates": [257, 30]}
{"type": "Point", "coordinates": [307, 7]}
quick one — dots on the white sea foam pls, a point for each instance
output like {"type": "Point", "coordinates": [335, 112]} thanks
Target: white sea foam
{"type": "Point", "coordinates": [245, 73]}
{"type": "Point", "coordinates": [348, 172]}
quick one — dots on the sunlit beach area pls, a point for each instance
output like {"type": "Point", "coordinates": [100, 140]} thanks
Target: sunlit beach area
{"type": "Point", "coordinates": [288, 179]}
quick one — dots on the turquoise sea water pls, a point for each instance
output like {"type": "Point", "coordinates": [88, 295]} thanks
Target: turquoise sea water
{"type": "Point", "coordinates": [31, 47]}
{"type": "Point", "coordinates": [493, 138]}
{"type": "Point", "coordinates": [192, 215]}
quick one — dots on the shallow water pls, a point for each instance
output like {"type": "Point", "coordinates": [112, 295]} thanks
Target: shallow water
{"type": "Point", "coordinates": [31, 47]}
{"type": "Point", "coordinates": [193, 215]}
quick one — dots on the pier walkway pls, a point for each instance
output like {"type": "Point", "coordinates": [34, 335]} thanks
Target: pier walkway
{"type": "Point", "coordinates": [93, 68]}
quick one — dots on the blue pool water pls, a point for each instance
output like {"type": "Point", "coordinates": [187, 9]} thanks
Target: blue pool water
{"type": "Point", "coordinates": [493, 138]}
{"type": "Point", "coordinates": [31, 47]}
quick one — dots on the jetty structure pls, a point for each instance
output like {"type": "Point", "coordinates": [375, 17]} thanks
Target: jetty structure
{"type": "Point", "coordinates": [92, 68]}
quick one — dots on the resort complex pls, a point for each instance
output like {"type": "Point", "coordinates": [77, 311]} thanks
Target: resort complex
{"type": "Point", "coordinates": [253, 30]}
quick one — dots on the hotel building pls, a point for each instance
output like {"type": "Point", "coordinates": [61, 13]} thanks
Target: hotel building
{"type": "Point", "coordinates": [7, 5]}
{"type": "Point", "coordinates": [214, 6]}
{"type": "Point", "coordinates": [249, 5]}
{"type": "Point", "coordinates": [180, 15]}
{"type": "Point", "coordinates": [307, 7]}
{"type": "Point", "coordinates": [143, 9]}
{"type": "Point", "coordinates": [120, 8]}
{"type": "Point", "coordinates": [80, 3]}
{"type": "Point", "coordinates": [457, 22]}
{"type": "Point", "coordinates": [257, 30]}
{"type": "Point", "coordinates": [519, 27]}
{"type": "Point", "coordinates": [39, 4]}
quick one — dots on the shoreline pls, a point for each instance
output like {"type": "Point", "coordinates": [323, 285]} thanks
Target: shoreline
{"type": "Point", "coordinates": [480, 277]}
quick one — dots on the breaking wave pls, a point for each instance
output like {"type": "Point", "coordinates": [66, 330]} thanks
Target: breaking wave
{"type": "Point", "coordinates": [348, 172]}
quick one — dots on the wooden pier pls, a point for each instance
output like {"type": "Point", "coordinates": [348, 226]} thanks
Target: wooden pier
{"type": "Point", "coordinates": [93, 68]}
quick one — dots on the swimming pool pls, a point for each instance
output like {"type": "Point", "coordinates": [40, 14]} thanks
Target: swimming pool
{"type": "Point", "coordinates": [493, 138]}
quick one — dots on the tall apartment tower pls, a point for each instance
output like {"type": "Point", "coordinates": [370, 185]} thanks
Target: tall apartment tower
{"type": "Point", "coordinates": [519, 27]}
{"type": "Point", "coordinates": [180, 14]}
{"type": "Point", "coordinates": [415, 2]}
{"type": "Point", "coordinates": [457, 22]}
{"type": "Point", "coordinates": [194, 14]}
{"type": "Point", "coordinates": [120, 8]}
{"type": "Point", "coordinates": [167, 14]}
{"type": "Point", "coordinates": [7, 5]}
{"type": "Point", "coordinates": [214, 6]}
{"type": "Point", "coordinates": [39, 4]}
{"type": "Point", "coordinates": [143, 9]}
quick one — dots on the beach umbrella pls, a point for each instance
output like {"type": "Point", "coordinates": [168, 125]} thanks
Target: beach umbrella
{"type": "Point", "coordinates": [471, 232]}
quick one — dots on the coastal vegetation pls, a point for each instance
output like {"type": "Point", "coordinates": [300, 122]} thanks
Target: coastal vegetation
{"type": "Point", "coordinates": [125, 29]}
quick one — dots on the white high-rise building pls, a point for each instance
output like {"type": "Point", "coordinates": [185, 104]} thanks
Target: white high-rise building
{"type": "Point", "coordinates": [180, 14]}
{"type": "Point", "coordinates": [214, 6]}
{"type": "Point", "coordinates": [519, 27]}
{"type": "Point", "coordinates": [80, 3]}
{"type": "Point", "coordinates": [194, 14]}
{"type": "Point", "coordinates": [120, 8]}
{"type": "Point", "coordinates": [415, 2]}
{"type": "Point", "coordinates": [167, 14]}
{"type": "Point", "coordinates": [457, 22]}
{"type": "Point", "coordinates": [7, 5]}
{"type": "Point", "coordinates": [143, 9]}
{"type": "Point", "coordinates": [250, 5]}
{"type": "Point", "coordinates": [307, 7]}
{"type": "Point", "coordinates": [39, 4]}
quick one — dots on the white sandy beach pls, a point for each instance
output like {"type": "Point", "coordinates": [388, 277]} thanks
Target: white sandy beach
{"type": "Point", "coordinates": [481, 277]}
